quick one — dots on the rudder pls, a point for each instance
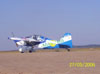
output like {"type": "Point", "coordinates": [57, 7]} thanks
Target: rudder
{"type": "Point", "coordinates": [66, 41]}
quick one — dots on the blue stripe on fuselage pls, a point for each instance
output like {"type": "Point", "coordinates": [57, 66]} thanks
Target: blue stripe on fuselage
{"type": "Point", "coordinates": [16, 41]}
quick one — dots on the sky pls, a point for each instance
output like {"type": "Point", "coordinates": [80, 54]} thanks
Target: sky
{"type": "Point", "coordinates": [50, 18]}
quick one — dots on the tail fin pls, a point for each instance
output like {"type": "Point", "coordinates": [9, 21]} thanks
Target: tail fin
{"type": "Point", "coordinates": [66, 41]}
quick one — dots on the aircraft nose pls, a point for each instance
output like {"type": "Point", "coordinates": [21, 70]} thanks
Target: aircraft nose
{"type": "Point", "coordinates": [9, 38]}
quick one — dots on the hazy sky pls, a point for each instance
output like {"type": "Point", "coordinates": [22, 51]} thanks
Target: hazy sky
{"type": "Point", "coordinates": [51, 18]}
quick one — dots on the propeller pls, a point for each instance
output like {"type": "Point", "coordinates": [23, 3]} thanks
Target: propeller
{"type": "Point", "coordinates": [12, 34]}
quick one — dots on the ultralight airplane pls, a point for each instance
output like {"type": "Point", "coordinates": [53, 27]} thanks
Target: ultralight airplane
{"type": "Point", "coordinates": [29, 42]}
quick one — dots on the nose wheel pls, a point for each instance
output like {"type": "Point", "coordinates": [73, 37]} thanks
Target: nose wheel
{"type": "Point", "coordinates": [21, 50]}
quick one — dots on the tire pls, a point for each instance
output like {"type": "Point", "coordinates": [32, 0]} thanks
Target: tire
{"type": "Point", "coordinates": [30, 51]}
{"type": "Point", "coordinates": [68, 50]}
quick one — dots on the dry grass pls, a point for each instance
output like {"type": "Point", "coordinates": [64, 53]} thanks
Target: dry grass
{"type": "Point", "coordinates": [71, 50]}
{"type": "Point", "coordinates": [58, 50]}
{"type": "Point", "coordinates": [49, 61]}
{"type": "Point", "coordinates": [85, 49]}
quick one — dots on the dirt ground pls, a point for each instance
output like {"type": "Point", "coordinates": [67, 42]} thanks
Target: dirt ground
{"type": "Point", "coordinates": [49, 62]}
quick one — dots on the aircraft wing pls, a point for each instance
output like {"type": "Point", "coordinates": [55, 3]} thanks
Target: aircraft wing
{"type": "Point", "coordinates": [32, 43]}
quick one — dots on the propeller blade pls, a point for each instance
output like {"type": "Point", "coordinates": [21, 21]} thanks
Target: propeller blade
{"type": "Point", "coordinates": [13, 34]}
{"type": "Point", "coordinates": [16, 44]}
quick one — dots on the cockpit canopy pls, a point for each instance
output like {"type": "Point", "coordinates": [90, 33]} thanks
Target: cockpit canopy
{"type": "Point", "coordinates": [37, 37]}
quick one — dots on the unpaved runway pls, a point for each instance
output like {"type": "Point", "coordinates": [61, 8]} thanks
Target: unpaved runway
{"type": "Point", "coordinates": [48, 62]}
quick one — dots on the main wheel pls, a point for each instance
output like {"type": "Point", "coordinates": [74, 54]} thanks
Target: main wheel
{"type": "Point", "coordinates": [21, 50]}
{"type": "Point", "coordinates": [68, 50]}
{"type": "Point", "coordinates": [30, 51]}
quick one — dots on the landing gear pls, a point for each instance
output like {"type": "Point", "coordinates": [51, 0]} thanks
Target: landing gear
{"type": "Point", "coordinates": [21, 50]}
{"type": "Point", "coordinates": [30, 51]}
{"type": "Point", "coordinates": [68, 50]}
